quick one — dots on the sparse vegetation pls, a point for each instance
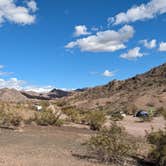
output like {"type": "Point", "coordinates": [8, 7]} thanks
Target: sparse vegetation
{"type": "Point", "coordinates": [96, 119]}
{"type": "Point", "coordinates": [10, 119]}
{"type": "Point", "coordinates": [116, 116]}
{"type": "Point", "coordinates": [158, 152]}
{"type": "Point", "coordinates": [73, 114]}
{"type": "Point", "coordinates": [111, 145]}
{"type": "Point", "coordinates": [47, 117]}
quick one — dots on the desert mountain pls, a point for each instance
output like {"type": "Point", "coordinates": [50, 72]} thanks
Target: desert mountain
{"type": "Point", "coordinates": [11, 95]}
{"type": "Point", "coordinates": [148, 89]}
{"type": "Point", "coordinates": [54, 94]}
{"type": "Point", "coordinates": [145, 90]}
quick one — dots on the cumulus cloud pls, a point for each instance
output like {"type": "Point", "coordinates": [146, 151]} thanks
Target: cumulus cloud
{"type": "Point", "coordinates": [108, 73]}
{"type": "Point", "coordinates": [9, 11]}
{"type": "Point", "coordinates": [162, 46]}
{"type": "Point", "coordinates": [142, 12]}
{"type": "Point", "coordinates": [149, 44]}
{"type": "Point", "coordinates": [12, 83]}
{"type": "Point", "coordinates": [104, 41]}
{"type": "Point", "coordinates": [81, 30]}
{"type": "Point", "coordinates": [32, 5]}
{"type": "Point", "coordinates": [132, 54]}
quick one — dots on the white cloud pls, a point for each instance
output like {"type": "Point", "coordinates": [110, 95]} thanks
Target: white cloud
{"type": "Point", "coordinates": [149, 44]}
{"type": "Point", "coordinates": [132, 54]}
{"type": "Point", "coordinates": [32, 5]}
{"type": "Point", "coordinates": [9, 11]}
{"type": "Point", "coordinates": [104, 41]}
{"type": "Point", "coordinates": [81, 30]}
{"type": "Point", "coordinates": [39, 89]}
{"type": "Point", "coordinates": [108, 73]}
{"type": "Point", "coordinates": [142, 12]}
{"type": "Point", "coordinates": [12, 83]}
{"type": "Point", "coordinates": [162, 46]}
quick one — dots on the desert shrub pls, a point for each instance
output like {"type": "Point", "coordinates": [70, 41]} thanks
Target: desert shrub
{"type": "Point", "coordinates": [47, 117]}
{"type": "Point", "coordinates": [61, 103]}
{"type": "Point", "coordinates": [73, 114]}
{"type": "Point", "coordinates": [111, 145]}
{"type": "Point", "coordinates": [10, 119]}
{"type": "Point", "coordinates": [95, 119]}
{"type": "Point", "coordinates": [44, 104]}
{"type": "Point", "coordinates": [116, 116]}
{"type": "Point", "coordinates": [158, 153]}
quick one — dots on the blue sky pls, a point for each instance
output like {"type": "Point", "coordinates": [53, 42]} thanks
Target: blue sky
{"type": "Point", "coordinates": [76, 44]}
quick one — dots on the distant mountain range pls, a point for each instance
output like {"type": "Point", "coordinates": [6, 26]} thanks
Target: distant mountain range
{"type": "Point", "coordinates": [147, 89]}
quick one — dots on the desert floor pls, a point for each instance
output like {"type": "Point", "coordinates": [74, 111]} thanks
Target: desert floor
{"type": "Point", "coordinates": [53, 146]}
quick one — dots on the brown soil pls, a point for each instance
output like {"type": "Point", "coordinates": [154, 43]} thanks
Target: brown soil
{"type": "Point", "coordinates": [53, 146]}
{"type": "Point", "coordinates": [137, 128]}
{"type": "Point", "coordinates": [43, 146]}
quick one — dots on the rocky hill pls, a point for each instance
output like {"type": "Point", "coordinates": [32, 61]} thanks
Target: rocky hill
{"type": "Point", "coordinates": [148, 89]}
{"type": "Point", "coordinates": [54, 94]}
{"type": "Point", "coordinates": [141, 91]}
{"type": "Point", "coordinates": [12, 95]}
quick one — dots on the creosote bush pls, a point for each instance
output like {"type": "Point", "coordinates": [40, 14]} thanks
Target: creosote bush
{"type": "Point", "coordinates": [95, 119]}
{"type": "Point", "coordinates": [47, 117]}
{"type": "Point", "coordinates": [158, 153]}
{"type": "Point", "coordinates": [111, 145]}
{"type": "Point", "coordinates": [10, 119]}
{"type": "Point", "coordinates": [73, 114]}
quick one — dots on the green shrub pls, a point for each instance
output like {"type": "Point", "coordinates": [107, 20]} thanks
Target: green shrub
{"type": "Point", "coordinates": [73, 114]}
{"type": "Point", "coordinates": [10, 119]}
{"type": "Point", "coordinates": [95, 119]}
{"type": "Point", "coordinates": [158, 153]}
{"type": "Point", "coordinates": [111, 145]}
{"type": "Point", "coordinates": [47, 117]}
